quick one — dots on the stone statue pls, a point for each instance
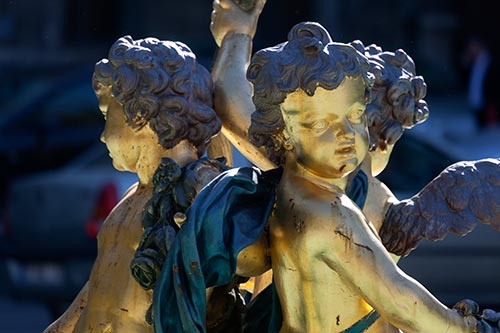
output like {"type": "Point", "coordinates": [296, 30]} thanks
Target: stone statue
{"type": "Point", "coordinates": [157, 102]}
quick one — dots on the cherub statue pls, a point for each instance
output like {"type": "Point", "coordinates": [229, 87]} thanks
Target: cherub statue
{"type": "Point", "coordinates": [311, 117]}
{"type": "Point", "coordinates": [433, 311]}
{"type": "Point", "coordinates": [157, 103]}
{"type": "Point", "coordinates": [394, 107]}
{"type": "Point", "coordinates": [397, 105]}
{"type": "Point", "coordinates": [326, 257]}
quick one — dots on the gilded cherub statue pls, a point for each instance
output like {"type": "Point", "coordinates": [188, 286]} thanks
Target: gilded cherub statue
{"type": "Point", "coordinates": [330, 268]}
{"type": "Point", "coordinates": [397, 104]}
{"type": "Point", "coordinates": [317, 236]}
{"type": "Point", "coordinates": [310, 196]}
{"type": "Point", "coordinates": [311, 95]}
{"type": "Point", "coordinates": [157, 103]}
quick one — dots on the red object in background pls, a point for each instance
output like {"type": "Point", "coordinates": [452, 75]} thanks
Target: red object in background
{"type": "Point", "coordinates": [108, 198]}
{"type": "Point", "coordinates": [492, 116]}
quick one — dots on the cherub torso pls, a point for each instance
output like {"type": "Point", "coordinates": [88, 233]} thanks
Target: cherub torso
{"type": "Point", "coordinates": [313, 296]}
{"type": "Point", "coordinates": [116, 302]}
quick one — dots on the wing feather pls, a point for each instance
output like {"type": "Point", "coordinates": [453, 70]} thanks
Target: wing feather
{"type": "Point", "coordinates": [461, 196]}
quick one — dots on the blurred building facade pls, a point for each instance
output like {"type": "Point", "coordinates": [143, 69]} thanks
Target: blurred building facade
{"type": "Point", "coordinates": [59, 33]}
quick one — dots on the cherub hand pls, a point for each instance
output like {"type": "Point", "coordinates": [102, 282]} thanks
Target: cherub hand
{"type": "Point", "coordinates": [467, 307]}
{"type": "Point", "coordinates": [227, 17]}
{"type": "Point", "coordinates": [487, 322]}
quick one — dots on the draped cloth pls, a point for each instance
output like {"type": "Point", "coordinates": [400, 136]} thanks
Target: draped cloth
{"type": "Point", "coordinates": [228, 215]}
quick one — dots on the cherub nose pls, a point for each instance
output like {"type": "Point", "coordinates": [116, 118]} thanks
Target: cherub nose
{"type": "Point", "coordinates": [102, 137]}
{"type": "Point", "coordinates": [345, 130]}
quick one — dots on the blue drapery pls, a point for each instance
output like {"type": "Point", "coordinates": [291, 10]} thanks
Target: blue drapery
{"type": "Point", "coordinates": [228, 215]}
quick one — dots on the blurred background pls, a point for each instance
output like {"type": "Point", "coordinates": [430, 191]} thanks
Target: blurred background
{"type": "Point", "coordinates": [57, 183]}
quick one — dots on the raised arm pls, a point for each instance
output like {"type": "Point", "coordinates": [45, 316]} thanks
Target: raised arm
{"type": "Point", "coordinates": [233, 29]}
{"type": "Point", "coordinates": [367, 267]}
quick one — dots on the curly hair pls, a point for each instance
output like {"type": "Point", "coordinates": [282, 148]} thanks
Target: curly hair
{"type": "Point", "coordinates": [160, 83]}
{"type": "Point", "coordinates": [397, 96]}
{"type": "Point", "coordinates": [309, 59]}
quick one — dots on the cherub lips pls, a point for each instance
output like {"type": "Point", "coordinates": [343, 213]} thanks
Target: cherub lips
{"type": "Point", "coordinates": [345, 151]}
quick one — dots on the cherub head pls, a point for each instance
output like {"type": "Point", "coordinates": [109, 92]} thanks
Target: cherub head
{"type": "Point", "coordinates": [159, 90]}
{"type": "Point", "coordinates": [397, 101]}
{"type": "Point", "coordinates": [310, 95]}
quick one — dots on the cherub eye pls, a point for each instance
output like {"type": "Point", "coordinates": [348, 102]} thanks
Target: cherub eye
{"type": "Point", "coordinates": [356, 116]}
{"type": "Point", "coordinates": [319, 125]}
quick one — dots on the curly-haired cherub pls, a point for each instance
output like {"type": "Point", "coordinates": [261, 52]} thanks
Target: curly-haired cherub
{"type": "Point", "coordinates": [269, 100]}
{"type": "Point", "coordinates": [157, 103]}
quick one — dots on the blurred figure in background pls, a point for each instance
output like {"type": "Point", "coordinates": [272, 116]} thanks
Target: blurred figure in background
{"type": "Point", "coordinates": [483, 71]}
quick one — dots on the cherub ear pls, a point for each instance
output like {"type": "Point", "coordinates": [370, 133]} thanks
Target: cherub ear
{"type": "Point", "coordinates": [287, 141]}
{"type": "Point", "coordinates": [288, 145]}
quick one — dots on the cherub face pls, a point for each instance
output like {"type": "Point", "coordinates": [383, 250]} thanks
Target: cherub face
{"type": "Point", "coordinates": [328, 130]}
{"type": "Point", "coordinates": [125, 145]}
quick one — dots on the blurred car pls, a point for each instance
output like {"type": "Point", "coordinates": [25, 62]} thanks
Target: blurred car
{"type": "Point", "coordinates": [50, 224]}
{"type": "Point", "coordinates": [456, 267]}
{"type": "Point", "coordinates": [48, 121]}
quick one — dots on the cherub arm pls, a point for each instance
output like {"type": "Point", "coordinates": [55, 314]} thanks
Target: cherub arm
{"type": "Point", "coordinates": [366, 266]}
{"type": "Point", "coordinates": [67, 321]}
{"type": "Point", "coordinates": [233, 30]}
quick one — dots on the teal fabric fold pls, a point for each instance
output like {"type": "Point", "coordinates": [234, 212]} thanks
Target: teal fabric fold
{"type": "Point", "coordinates": [358, 189]}
{"type": "Point", "coordinates": [228, 215]}
{"type": "Point", "coordinates": [364, 323]}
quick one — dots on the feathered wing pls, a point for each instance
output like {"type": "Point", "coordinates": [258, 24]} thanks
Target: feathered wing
{"type": "Point", "coordinates": [464, 194]}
